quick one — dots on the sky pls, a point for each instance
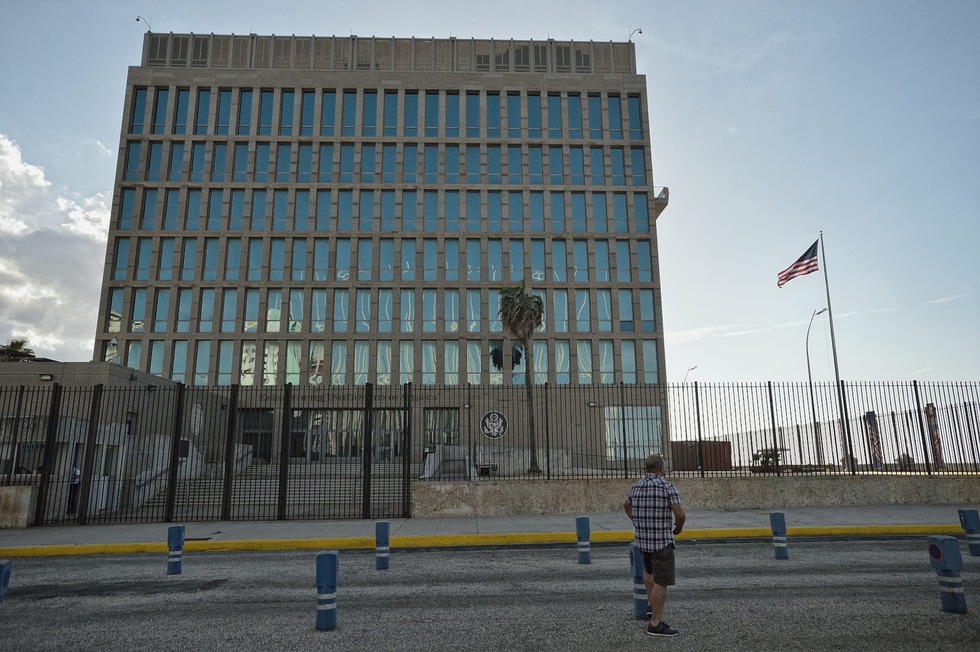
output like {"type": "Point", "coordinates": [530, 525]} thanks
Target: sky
{"type": "Point", "coordinates": [771, 122]}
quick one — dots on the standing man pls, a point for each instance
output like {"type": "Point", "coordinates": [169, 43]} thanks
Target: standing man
{"type": "Point", "coordinates": [655, 508]}
{"type": "Point", "coordinates": [74, 483]}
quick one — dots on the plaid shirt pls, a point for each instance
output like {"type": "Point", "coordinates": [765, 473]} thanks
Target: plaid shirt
{"type": "Point", "coordinates": [653, 520]}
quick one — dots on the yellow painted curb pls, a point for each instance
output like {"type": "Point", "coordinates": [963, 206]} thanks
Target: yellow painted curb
{"type": "Point", "coordinates": [461, 540]}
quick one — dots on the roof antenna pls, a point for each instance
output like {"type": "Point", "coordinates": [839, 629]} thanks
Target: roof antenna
{"type": "Point", "coordinates": [148, 28]}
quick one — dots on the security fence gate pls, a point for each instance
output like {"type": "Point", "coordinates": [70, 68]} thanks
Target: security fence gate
{"type": "Point", "coordinates": [145, 452]}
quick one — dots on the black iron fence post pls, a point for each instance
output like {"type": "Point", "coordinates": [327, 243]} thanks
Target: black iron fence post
{"type": "Point", "coordinates": [366, 449]}
{"type": "Point", "coordinates": [851, 460]}
{"type": "Point", "coordinates": [547, 435]}
{"type": "Point", "coordinates": [967, 413]}
{"type": "Point", "coordinates": [285, 429]}
{"type": "Point", "coordinates": [15, 434]}
{"type": "Point", "coordinates": [175, 452]}
{"type": "Point", "coordinates": [407, 451]}
{"type": "Point", "coordinates": [91, 439]}
{"type": "Point", "coordinates": [231, 435]}
{"type": "Point", "coordinates": [40, 510]}
{"type": "Point", "coordinates": [622, 428]}
{"type": "Point", "coordinates": [775, 438]}
{"type": "Point", "coordinates": [922, 429]}
{"type": "Point", "coordinates": [697, 412]}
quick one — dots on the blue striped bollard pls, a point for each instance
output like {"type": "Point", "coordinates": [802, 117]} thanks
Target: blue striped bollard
{"type": "Point", "coordinates": [582, 533]}
{"type": "Point", "coordinates": [382, 547]}
{"type": "Point", "coordinates": [640, 602]}
{"type": "Point", "coordinates": [326, 589]}
{"type": "Point", "coordinates": [944, 555]}
{"type": "Point", "coordinates": [970, 520]}
{"type": "Point", "coordinates": [4, 577]}
{"type": "Point", "coordinates": [777, 521]}
{"type": "Point", "coordinates": [175, 547]}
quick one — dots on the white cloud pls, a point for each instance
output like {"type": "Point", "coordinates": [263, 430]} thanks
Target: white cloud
{"type": "Point", "coordinates": [948, 299]}
{"type": "Point", "coordinates": [51, 259]}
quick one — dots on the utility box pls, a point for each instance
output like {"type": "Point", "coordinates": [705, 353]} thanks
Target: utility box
{"type": "Point", "coordinates": [715, 456]}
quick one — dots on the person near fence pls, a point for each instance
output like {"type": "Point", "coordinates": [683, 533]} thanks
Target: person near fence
{"type": "Point", "coordinates": [654, 506]}
{"type": "Point", "coordinates": [74, 484]}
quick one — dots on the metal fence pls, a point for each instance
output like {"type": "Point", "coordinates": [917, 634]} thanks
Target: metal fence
{"type": "Point", "coordinates": [151, 453]}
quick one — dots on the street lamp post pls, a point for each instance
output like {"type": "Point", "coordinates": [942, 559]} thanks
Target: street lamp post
{"type": "Point", "coordinates": [813, 404]}
{"type": "Point", "coordinates": [689, 370]}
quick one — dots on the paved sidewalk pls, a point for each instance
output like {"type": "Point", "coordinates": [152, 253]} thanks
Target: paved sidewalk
{"type": "Point", "coordinates": [870, 520]}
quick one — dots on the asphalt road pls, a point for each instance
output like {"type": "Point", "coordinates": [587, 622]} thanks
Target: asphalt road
{"type": "Point", "coordinates": [840, 595]}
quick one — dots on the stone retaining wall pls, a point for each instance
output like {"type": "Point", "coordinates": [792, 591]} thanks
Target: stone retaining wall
{"type": "Point", "coordinates": [510, 498]}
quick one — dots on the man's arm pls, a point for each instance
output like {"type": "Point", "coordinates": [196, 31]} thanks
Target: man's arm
{"type": "Point", "coordinates": [679, 517]}
{"type": "Point", "coordinates": [628, 508]}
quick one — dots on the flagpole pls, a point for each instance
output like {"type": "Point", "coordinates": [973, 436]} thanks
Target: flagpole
{"type": "Point", "coordinates": [833, 346]}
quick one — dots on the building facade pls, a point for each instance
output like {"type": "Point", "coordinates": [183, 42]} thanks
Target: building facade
{"type": "Point", "coordinates": [338, 211]}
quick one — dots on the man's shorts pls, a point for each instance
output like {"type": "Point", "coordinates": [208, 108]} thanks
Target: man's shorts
{"type": "Point", "coordinates": [660, 565]}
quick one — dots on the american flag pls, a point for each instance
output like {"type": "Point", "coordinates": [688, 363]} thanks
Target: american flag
{"type": "Point", "coordinates": [805, 264]}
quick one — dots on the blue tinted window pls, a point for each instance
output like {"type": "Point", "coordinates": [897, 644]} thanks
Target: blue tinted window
{"type": "Point", "coordinates": [493, 164]}
{"type": "Point", "coordinates": [411, 126]}
{"type": "Point", "coordinates": [193, 216]}
{"type": "Point", "coordinates": [328, 113]}
{"type": "Point", "coordinates": [597, 172]}
{"type": "Point", "coordinates": [638, 161]}
{"type": "Point", "coordinates": [538, 271]}
{"type": "Point", "coordinates": [534, 116]}
{"type": "Point", "coordinates": [472, 210]}
{"type": "Point", "coordinates": [595, 117]}
{"type": "Point", "coordinates": [203, 111]}
{"type": "Point", "coordinates": [580, 260]}
{"type": "Point", "coordinates": [153, 161]}
{"type": "Point", "coordinates": [617, 172]}
{"type": "Point", "coordinates": [514, 164]}
{"type": "Point", "coordinates": [452, 115]}
{"type": "Point", "coordinates": [127, 200]}
{"type": "Point", "coordinates": [233, 258]}
{"type": "Point", "coordinates": [133, 162]}
{"type": "Point", "coordinates": [180, 111]}
{"type": "Point", "coordinates": [430, 164]}
{"type": "Point", "coordinates": [576, 166]}
{"type": "Point", "coordinates": [259, 210]}
{"type": "Point", "coordinates": [641, 218]}
{"type": "Point", "coordinates": [280, 210]}
{"type": "Point", "coordinates": [365, 209]}
{"type": "Point", "coordinates": [452, 210]}
{"type": "Point", "coordinates": [304, 163]}
{"type": "Point", "coordinates": [517, 260]}
{"type": "Point", "coordinates": [495, 211]}
{"type": "Point", "coordinates": [472, 115]}
{"type": "Point", "coordinates": [388, 210]}
{"type": "Point", "coordinates": [171, 209]}
{"type": "Point", "coordinates": [513, 115]}
{"type": "Point", "coordinates": [284, 152]}
{"type": "Point", "coordinates": [515, 211]}
{"type": "Point", "coordinates": [265, 113]}
{"type": "Point", "coordinates": [452, 259]}
{"type": "Point", "coordinates": [430, 210]}
{"type": "Point", "coordinates": [452, 164]}
{"type": "Point", "coordinates": [535, 169]}
{"type": "Point", "coordinates": [224, 113]}
{"type": "Point", "coordinates": [369, 114]}
{"type": "Point", "coordinates": [574, 116]}
{"type": "Point", "coordinates": [322, 210]}
{"type": "Point", "coordinates": [536, 212]}
{"type": "Point", "coordinates": [239, 169]}
{"type": "Point", "coordinates": [301, 216]}
{"type": "Point", "coordinates": [623, 271]}
{"type": "Point", "coordinates": [367, 163]}
{"type": "Point", "coordinates": [493, 115]}
{"type": "Point", "coordinates": [325, 172]}
{"type": "Point", "coordinates": [215, 200]}
{"type": "Point", "coordinates": [120, 259]}
{"type": "Point", "coordinates": [410, 163]}
{"type": "Point", "coordinates": [348, 114]}
{"type": "Point", "coordinates": [409, 210]}
{"type": "Point", "coordinates": [365, 256]}
{"type": "Point", "coordinates": [286, 112]}
{"type": "Point", "coordinates": [176, 161]}
{"type": "Point", "coordinates": [219, 161]}
{"type": "Point", "coordinates": [390, 113]}
{"type": "Point", "coordinates": [559, 261]}
{"type": "Point", "coordinates": [346, 163]}
{"type": "Point", "coordinates": [556, 201]}
{"type": "Point", "coordinates": [138, 112]}
{"type": "Point", "coordinates": [345, 209]}
{"type": "Point", "coordinates": [554, 116]}
{"type": "Point", "coordinates": [388, 164]}
{"type": "Point", "coordinates": [432, 113]}
{"type": "Point", "coordinates": [620, 218]}
{"type": "Point", "coordinates": [160, 111]}
{"type": "Point", "coordinates": [262, 155]}
{"type": "Point", "coordinates": [601, 258]}
{"type": "Point", "coordinates": [635, 119]}
{"type": "Point", "coordinates": [148, 218]}
{"type": "Point", "coordinates": [244, 113]}
{"type": "Point", "coordinates": [472, 163]}
{"type": "Point", "coordinates": [615, 117]}
{"type": "Point", "coordinates": [307, 100]}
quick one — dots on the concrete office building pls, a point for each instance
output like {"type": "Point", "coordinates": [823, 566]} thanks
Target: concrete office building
{"type": "Point", "coordinates": [345, 210]}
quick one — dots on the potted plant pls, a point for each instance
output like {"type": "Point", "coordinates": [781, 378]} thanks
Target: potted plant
{"type": "Point", "coordinates": [765, 460]}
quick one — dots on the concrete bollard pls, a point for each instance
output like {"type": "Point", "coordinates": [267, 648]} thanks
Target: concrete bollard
{"type": "Point", "coordinates": [4, 577]}
{"type": "Point", "coordinates": [640, 602]}
{"type": "Point", "coordinates": [326, 589]}
{"type": "Point", "coordinates": [175, 547]}
{"type": "Point", "coordinates": [944, 555]}
{"type": "Point", "coordinates": [777, 522]}
{"type": "Point", "coordinates": [382, 547]}
{"type": "Point", "coordinates": [970, 520]}
{"type": "Point", "coordinates": [582, 533]}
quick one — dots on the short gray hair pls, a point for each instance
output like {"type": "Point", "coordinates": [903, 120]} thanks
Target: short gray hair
{"type": "Point", "coordinates": [654, 461]}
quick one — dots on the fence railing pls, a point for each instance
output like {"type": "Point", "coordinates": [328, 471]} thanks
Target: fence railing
{"type": "Point", "coordinates": [145, 453]}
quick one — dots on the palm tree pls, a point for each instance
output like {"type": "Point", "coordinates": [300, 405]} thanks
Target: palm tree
{"type": "Point", "coordinates": [521, 314]}
{"type": "Point", "coordinates": [15, 350]}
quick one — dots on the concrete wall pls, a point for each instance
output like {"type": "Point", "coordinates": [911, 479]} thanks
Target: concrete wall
{"type": "Point", "coordinates": [17, 506]}
{"type": "Point", "coordinates": [603, 495]}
